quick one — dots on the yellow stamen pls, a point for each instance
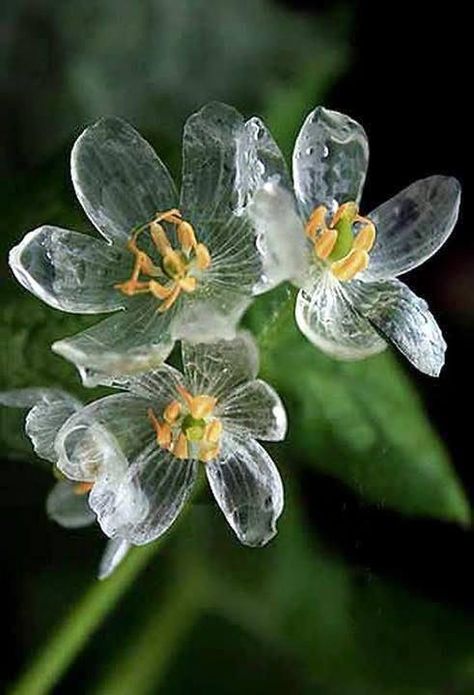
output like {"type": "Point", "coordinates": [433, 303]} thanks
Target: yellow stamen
{"type": "Point", "coordinates": [202, 406]}
{"type": "Point", "coordinates": [203, 257]}
{"type": "Point", "coordinates": [186, 236]}
{"type": "Point", "coordinates": [176, 266]}
{"type": "Point", "coordinates": [172, 412]}
{"type": "Point", "coordinates": [213, 431]}
{"type": "Point", "coordinates": [180, 447]}
{"type": "Point", "coordinates": [349, 209]}
{"type": "Point", "coordinates": [159, 238]}
{"type": "Point", "coordinates": [365, 237]}
{"type": "Point", "coordinates": [348, 267]}
{"type": "Point", "coordinates": [316, 222]}
{"type": "Point", "coordinates": [162, 430]}
{"type": "Point", "coordinates": [82, 488]}
{"type": "Point", "coordinates": [188, 284]}
{"type": "Point", "coordinates": [206, 454]}
{"type": "Point", "coordinates": [324, 243]}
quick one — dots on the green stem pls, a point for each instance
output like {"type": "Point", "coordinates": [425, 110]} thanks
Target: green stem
{"type": "Point", "coordinates": [81, 623]}
{"type": "Point", "coordinates": [142, 666]}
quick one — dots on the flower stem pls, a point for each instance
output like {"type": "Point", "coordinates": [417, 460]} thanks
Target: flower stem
{"type": "Point", "coordinates": [81, 623]}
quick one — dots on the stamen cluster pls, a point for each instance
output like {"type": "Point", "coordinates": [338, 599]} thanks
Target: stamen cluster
{"type": "Point", "coordinates": [188, 428]}
{"type": "Point", "coordinates": [175, 271]}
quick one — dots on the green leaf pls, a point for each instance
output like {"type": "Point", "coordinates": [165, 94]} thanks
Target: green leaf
{"type": "Point", "coordinates": [344, 628]}
{"type": "Point", "coordinates": [361, 422]}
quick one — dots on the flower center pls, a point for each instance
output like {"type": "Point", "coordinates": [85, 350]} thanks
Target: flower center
{"type": "Point", "coordinates": [174, 273]}
{"type": "Point", "coordinates": [335, 241]}
{"type": "Point", "coordinates": [188, 428]}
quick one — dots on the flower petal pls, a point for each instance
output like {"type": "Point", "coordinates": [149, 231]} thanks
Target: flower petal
{"type": "Point", "coordinates": [330, 160]}
{"type": "Point", "coordinates": [215, 369]}
{"type": "Point", "coordinates": [211, 315]}
{"type": "Point", "coordinates": [160, 481]}
{"type": "Point", "coordinates": [129, 342]}
{"type": "Point", "coordinates": [119, 179]}
{"type": "Point", "coordinates": [281, 239]}
{"type": "Point", "coordinates": [160, 386]}
{"type": "Point", "coordinates": [215, 183]}
{"type": "Point", "coordinates": [404, 319]}
{"type": "Point", "coordinates": [70, 271]}
{"type": "Point", "coordinates": [50, 408]}
{"type": "Point", "coordinates": [325, 315]}
{"type": "Point", "coordinates": [67, 508]}
{"type": "Point", "coordinates": [115, 551]}
{"type": "Point", "coordinates": [256, 409]}
{"type": "Point", "coordinates": [413, 225]}
{"type": "Point", "coordinates": [102, 438]}
{"type": "Point", "coordinates": [248, 489]}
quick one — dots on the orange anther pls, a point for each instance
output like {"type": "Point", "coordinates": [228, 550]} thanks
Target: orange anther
{"type": "Point", "coordinates": [365, 237]}
{"type": "Point", "coordinates": [213, 431]}
{"type": "Point", "coordinates": [316, 222]}
{"type": "Point", "coordinates": [186, 236]}
{"type": "Point", "coordinates": [350, 265]}
{"type": "Point", "coordinates": [203, 257]}
{"type": "Point", "coordinates": [82, 488]}
{"type": "Point", "coordinates": [172, 412]}
{"type": "Point", "coordinates": [325, 242]}
{"type": "Point", "coordinates": [180, 447]}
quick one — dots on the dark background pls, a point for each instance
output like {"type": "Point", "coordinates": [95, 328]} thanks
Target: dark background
{"type": "Point", "coordinates": [407, 80]}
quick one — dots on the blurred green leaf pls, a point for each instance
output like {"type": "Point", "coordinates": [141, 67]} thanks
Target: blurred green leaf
{"type": "Point", "coordinates": [361, 422]}
{"type": "Point", "coordinates": [340, 627]}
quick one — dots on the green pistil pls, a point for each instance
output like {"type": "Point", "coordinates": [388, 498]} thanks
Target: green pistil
{"type": "Point", "coordinates": [193, 428]}
{"type": "Point", "coordinates": [345, 237]}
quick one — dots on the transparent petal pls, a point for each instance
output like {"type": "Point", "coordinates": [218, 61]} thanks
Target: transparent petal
{"type": "Point", "coordinates": [163, 484]}
{"type": "Point", "coordinates": [119, 179]}
{"type": "Point", "coordinates": [70, 271]}
{"type": "Point", "coordinates": [100, 440]}
{"type": "Point", "coordinates": [330, 160]}
{"type": "Point", "coordinates": [67, 508]}
{"type": "Point", "coordinates": [248, 489]}
{"type": "Point", "coordinates": [132, 341]}
{"type": "Point", "coordinates": [212, 315]}
{"type": "Point", "coordinates": [413, 225]}
{"type": "Point", "coordinates": [160, 386]}
{"type": "Point", "coordinates": [215, 369]}
{"type": "Point", "coordinates": [255, 408]}
{"type": "Point", "coordinates": [50, 408]}
{"type": "Point", "coordinates": [325, 315]}
{"type": "Point", "coordinates": [115, 551]}
{"type": "Point", "coordinates": [281, 238]}
{"type": "Point", "coordinates": [214, 171]}
{"type": "Point", "coordinates": [404, 319]}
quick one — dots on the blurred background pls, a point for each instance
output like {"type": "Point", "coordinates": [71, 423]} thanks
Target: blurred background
{"type": "Point", "coordinates": [368, 587]}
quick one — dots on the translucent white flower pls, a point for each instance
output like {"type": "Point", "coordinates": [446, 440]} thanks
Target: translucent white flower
{"type": "Point", "coordinates": [67, 503]}
{"type": "Point", "coordinates": [346, 265]}
{"type": "Point", "coordinates": [170, 266]}
{"type": "Point", "coordinates": [164, 426]}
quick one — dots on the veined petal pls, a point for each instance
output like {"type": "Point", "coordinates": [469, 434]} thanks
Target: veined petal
{"type": "Point", "coordinates": [248, 489]}
{"type": "Point", "coordinates": [163, 483]}
{"type": "Point", "coordinates": [70, 271]}
{"type": "Point", "coordinates": [211, 315]}
{"type": "Point", "coordinates": [50, 408]}
{"type": "Point", "coordinates": [256, 409]}
{"type": "Point", "coordinates": [119, 180]}
{"type": "Point", "coordinates": [413, 225]}
{"type": "Point", "coordinates": [67, 508]}
{"type": "Point", "coordinates": [325, 315]}
{"type": "Point", "coordinates": [215, 182]}
{"type": "Point", "coordinates": [217, 368]}
{"type": "Point", "coordinates": [330, 160]}
{"type": "Point", "coordinates": [103, 437]}
{"type": "Point", "coordinates": [115, 551]}
{"type": "Point", "coordinates": [281, 239]}
{"type": "Point", "coordinates": [129, 342]}
{"type": "Point", "coordinates": [404, 319]}
{"type": "Point", "coordinates": [160, 386]}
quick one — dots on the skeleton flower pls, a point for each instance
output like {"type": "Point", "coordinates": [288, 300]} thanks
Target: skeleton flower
{"type": "Point", "coordinates": [350, 300]}
{"type": "Point", "coordinates": [67, 503]}
{"type": "Point", "coordinates": [170, 267]}
{"type": "Point", "coordinates": [164, 427]}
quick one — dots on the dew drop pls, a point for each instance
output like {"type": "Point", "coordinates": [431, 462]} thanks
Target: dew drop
{"type": "Point", "coordinates": [325, 151]}
{"type": "Point", "coordinates": [309, 150]}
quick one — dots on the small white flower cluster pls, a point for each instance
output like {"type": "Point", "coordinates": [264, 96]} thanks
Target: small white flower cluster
{"type": "Point", "coordinates": [185, 268]}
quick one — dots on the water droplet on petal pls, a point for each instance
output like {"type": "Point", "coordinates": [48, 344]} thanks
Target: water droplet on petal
{"type": "Point", "coordinates": [325, 151]}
